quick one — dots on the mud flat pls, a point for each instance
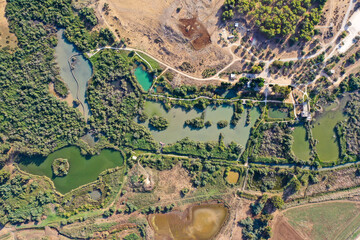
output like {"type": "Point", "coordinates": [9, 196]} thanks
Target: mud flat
{"type": "Point", "coordinates": [201, 222]}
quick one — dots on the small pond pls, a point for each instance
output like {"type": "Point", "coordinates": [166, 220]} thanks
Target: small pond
{"type": "Point", "coordinates": [232, 177]}
{"type": "Point", "coordinates": [324, 130]}
{"type": "Point", "coordinates": [177, 117]}
{"type": "Point", "coordinates": [199, 222]}
{"type": "Point", "coordinates": [301, 147]}
{"type": "Point", "coordinates": [82, 70]}
{"type": "Point", "coordinates": [83, 169]}
{"type": "Point", "coordinates": [143, 77]}
{"type": "Point", "coordinates": [276, 112]}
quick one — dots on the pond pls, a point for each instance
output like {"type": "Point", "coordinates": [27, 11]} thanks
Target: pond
{"type": "Point", "coordinates": [82, 71]}
{"type": "Point", "coordinates": [177, 117]}
{"type": "Point", "coordinates": [275, 112]}
{"type": "Point", "coordinates": [199, 222]}
{"type": "Point", "coordinates": [324, 131]}
{"type": "Point", "coordinates": [232, 177]}
{"type": "Point", "coordinates": [83, 169]}
{"type": "Point", "coordinates": [143, 77]}
{"type": "Point", "coordinates": [301, 147]}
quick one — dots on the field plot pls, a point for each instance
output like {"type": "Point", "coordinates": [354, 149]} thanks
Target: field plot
{"type": "Point", "coordinates": [335, 220]}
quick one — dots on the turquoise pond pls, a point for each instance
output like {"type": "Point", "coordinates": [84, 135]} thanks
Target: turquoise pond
{"type": "Point", "coordinates": [144, 78]}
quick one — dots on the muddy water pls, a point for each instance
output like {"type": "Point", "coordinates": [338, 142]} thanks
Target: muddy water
{"type": "Point", "coordinates": [177, 117]}
{"type": "Point", "coordinates": [82, 71]}
{"type": "Point", "coordinates": [232, 177]}
{"type": "Point", "coordinates": [197, 223]}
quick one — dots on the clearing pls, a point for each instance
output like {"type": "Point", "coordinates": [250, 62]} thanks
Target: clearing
{"type": "Point", "coordinates": [6, 38]}
{"type": "Point", "coordinates": [332, 220]}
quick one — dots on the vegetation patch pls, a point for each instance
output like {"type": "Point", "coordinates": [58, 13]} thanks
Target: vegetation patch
{"type": "Point", "coordinates": [159, 123]}
{"type": "Point", "coordinates": [278, 18]}
{"type": "Point", "coordinates": [60, 167]}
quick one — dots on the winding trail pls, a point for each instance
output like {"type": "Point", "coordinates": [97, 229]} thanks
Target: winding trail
{"type": "Point", "coordinates": [264, 74]}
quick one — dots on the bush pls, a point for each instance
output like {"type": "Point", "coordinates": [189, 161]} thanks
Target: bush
{"type": "Point", "coordinates": [60, 167]}
{"type": "Point", "coordinates": [222, 124]}
{"type": "Point", "coordinates": [159, 123]}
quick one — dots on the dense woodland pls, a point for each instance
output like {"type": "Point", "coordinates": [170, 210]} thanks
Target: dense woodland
{"type": "Point", "coordinates": [277, 17]}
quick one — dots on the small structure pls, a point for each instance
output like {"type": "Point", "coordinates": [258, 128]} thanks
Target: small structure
{"type": "Point", "coordinates": [134, 157]}
{"type": "Point", "coordinates": [232, 76]}
{"type": "Point", "coordinates": [231, 37]}
{"type": "Point", "coordinates": [306, 111]}
{"type": "Point", "coordinates": [236, 24]}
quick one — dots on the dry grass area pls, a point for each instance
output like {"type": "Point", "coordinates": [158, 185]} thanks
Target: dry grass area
{"type": "Point", "coordinates": [335, 180]}
{"type": "Point", "coordinates": [7, 39]}
{"type": "Point", "coordinates": [33, 234]}
{"type": "Point", "coordinates": [156, 27]}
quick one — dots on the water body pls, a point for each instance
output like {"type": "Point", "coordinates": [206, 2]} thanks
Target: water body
{"type": "Point", "coordinates": [200, 222]}
{"type": "Point", "coordinates": [177, 117]}
{"type": "Point", "coordinates": [275, 112]}
{"type": "Point", "coordinates": [232, 177]}
{"type": "Point", "coordinates": [143, 77]}
{"type": "Point", "coordinates": [324, 131]}
{"type": "Point", "coordinates": [82, 71]}
{"type": "Point", "coordinates": [301, 146]}
{"type": "Point", "coordinates": [83, 169]}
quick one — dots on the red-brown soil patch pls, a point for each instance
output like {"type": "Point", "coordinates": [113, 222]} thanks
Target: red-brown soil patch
{"type": "Point", "coordinates": [282, 230]}
{"type": "Point", "coordinates": [194, 30]}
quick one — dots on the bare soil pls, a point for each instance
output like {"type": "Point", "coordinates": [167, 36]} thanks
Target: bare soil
{"type": "Point", "coordinates": [282, 230]}
{"type": "Point", "coordinates": [193, 29]}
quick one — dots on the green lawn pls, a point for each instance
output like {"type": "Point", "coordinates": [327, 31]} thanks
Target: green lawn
{"type": "Point", "coordinates": [154, 64]}
{"type": "Point", "coordinates": [336, 220]}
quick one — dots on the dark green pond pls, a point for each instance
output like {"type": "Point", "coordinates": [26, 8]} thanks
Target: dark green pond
{"type": "Point", "coordinates": [82, 170]}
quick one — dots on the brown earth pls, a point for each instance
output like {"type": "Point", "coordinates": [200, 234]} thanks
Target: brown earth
{"type": "Point", "coordinates": [6, 38]}
{"type": "Point", "coordinates": [193, 29]}
{"type": "Point", "coordinates": [154, 26]}
{"type": "Point", "coordinates": [282, 230]}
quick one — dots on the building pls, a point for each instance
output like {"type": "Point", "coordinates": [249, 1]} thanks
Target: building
{"type": "Point", "coordinates": [232, 76]}
{"type": "Point", "coordinates": [236, 24]}
{"type": "Point", "coordinates": [231, 37]}
{"type": "Point", "coordinates": [306, 111]}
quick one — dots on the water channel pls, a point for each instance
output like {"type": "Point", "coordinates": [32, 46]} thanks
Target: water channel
{"type": "Point", "coordinates": [199, 222]}
{"type": "Point", "coordinates": [82, 71]}
{"type": "Point", "coordinates": [83, 169]}
{"type": "Point", "coordinates": [177, 117]}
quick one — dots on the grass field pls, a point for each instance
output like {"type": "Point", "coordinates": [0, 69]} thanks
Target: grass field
{"type": "Point", "coordinates": [335, 220]}
{"type": "Point", "coordinates": [154, 64]}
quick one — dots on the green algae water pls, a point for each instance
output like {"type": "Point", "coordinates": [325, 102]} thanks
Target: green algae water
{"type": "Point", "coordinates": [177, 117]}
{"type": "Point", "coordinates": [143, 77]}
{"type": "Point", "coordinates": [301, 146]}
{"type": "Point", "coordinates": [83, 169]}
{"type": "Point", "coordinates": [324, 131]}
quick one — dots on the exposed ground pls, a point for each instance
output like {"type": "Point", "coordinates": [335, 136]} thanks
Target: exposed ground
{"type": "Point", "coordinates": [160, 29]}
{"type": "Point", "coordinates": [7, 39]}
{"type": "Point", "coordinates": [282, 230]}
